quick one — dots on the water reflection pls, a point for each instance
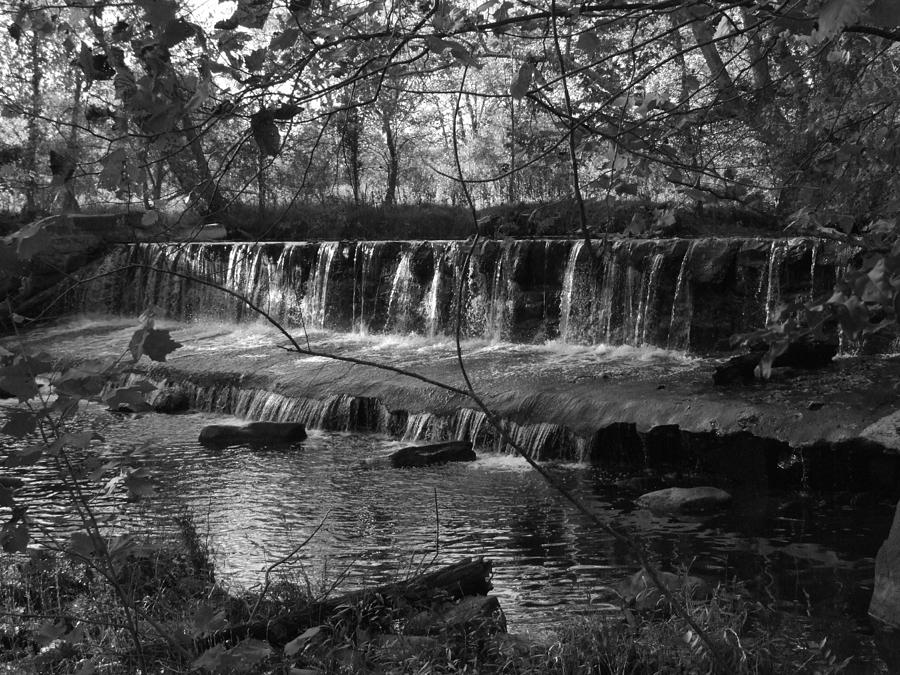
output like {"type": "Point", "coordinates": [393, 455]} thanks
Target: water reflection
{"type": "Point", "coordinates": [808, 555]}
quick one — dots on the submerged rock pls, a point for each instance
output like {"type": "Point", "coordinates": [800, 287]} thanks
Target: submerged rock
{"type": "Point", "coordinates": [254, 433]}
{"type": "Point", "coordinates": [885, 604]}
{"type": "Point", "coordinates": [425, 455]}
{"type": "Point", "coordinates": [685, 500]}
{"type": "Point", "coordinates": [639, 592]}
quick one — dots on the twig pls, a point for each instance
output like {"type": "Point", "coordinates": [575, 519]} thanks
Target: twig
{"type": "Point", "coordinates": [281, 561]}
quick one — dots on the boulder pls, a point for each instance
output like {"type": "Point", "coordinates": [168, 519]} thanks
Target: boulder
{"type": "Point", "coordinates": [885, 604]}
{"type": "Point", "coordinates": [262, 433]}
{"type": "Point", "coordinates": [170, 400]}
{"type": "Point", "coordinates": [685, 500]}
{"type": "Point", "coordinates": [424, 455]}
{"type": "Point", "coordinates": [639, 592]}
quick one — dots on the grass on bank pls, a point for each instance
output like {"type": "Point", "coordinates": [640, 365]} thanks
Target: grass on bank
{"type": "Point", "coordinates": [57, 616]}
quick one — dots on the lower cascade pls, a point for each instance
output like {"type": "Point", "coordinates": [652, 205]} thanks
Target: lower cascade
{"type": "Point", "coordinates": [677, 293]}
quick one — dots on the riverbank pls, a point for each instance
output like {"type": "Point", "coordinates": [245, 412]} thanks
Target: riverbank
{"type": "Point", "coordinates": [61, 617]}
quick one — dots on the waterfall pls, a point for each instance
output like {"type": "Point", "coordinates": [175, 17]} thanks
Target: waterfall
{"type": "Point", "coordinates": [433, 293]}
{"type": "Point", "coordinates": [648, 299]}
{"type": "Point", "coordinates": [773, 276]}
{"type": "Point", "coordinates": [525, 291]}
{"type": "Point", "coordinates": [565, 309]}
{"type": "Point", "coordinates": [400, 299]}
{"type": "Point", "coordinates": [315, 304]}
{"type": "Point", "coordinates": [682, 306]}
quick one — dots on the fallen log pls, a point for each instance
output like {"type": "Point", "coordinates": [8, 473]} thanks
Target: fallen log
{"type": "Point", "coordinates": [468, 577]}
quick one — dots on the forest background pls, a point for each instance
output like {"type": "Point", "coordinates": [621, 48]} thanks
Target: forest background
{"type": "Point", "coordinates": [291, 119]}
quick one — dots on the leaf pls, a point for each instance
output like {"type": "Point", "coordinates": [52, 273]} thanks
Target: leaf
{"type": "Point", "coordinates": [723, 29]}
{"type": "Point", "coordinates": [177, 32]}
{"type": "Point", "coordinates": [255, 59]}
{"type": "Point", "coordinates": [27, 457]}
{"type": "Point", "coordinates": [139, 484]}
{"type": "Point", "coordinates": [20, 423]}
{"type": "Point", "coordinates": [522, 83]}
{"type": "Point", "coordinates": [212, 659]}
{"type": "Point", "coordinates": [207, 620]}
{"type": "Point", "coordinates": [249, 14]}
{"type": "Point", "coordinates": [836, 15]}
{"type": "Point", "coordinates": [82, 544]}
{"type": "Point", "coordinates": [128, 398]}
{"type": "Point", "coordinates": [23, 387]}
{"type": "Point", "coordinates": [589, 42]}
{"type": "Point", "coordinates": [243, 656]}
{"type": "Point", "coordinates": [884, 13]}
{"type": "Point", "coordinates": [265, 132]}
{"type": "Point", "coordinates": [284, 39]}
{"type": "Point", "coordinates": [158, 12]}
{"type": "Point", "coordinates": [74, 439]}
{"type": "Point", "coordinates": [33, 241]}
{"type": "Point", "coordinates": [113, 173]}
{"type": "Point", "coordinates": [155, 343]}
{"type": "Point", "coordinates": [14, 533]}
{"type": "Point", "coordinates": [295, 645]}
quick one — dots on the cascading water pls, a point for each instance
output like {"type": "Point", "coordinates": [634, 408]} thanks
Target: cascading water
{"type": "Point", "coordinates": [510, 290]}
{"type": "Point", "coordinates": [315, 304]}
{"type": "Point", "coordinates": [682, 306]}
{"type": "Point", "coordinates": [568, 290]}
{"type": "Point", "coordinates": [400, 301]}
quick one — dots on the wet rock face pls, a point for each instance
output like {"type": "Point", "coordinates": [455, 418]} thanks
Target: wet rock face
{"type": "Point", "coordinates": [685, 500]}
{"type": "Point", "coordinates": [676, 293]}
{"type": "Point", "coordinates": [885, 604]}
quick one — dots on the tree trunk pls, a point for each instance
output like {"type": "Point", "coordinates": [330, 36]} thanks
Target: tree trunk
{"type": "Point", "coordinates": [393, 163]}
{"type": "Point", "coordinates": [511, 188]}
{"type": "Point", "coordinates": [31, 150]}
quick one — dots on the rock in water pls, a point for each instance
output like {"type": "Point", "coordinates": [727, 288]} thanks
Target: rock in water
{"type": "Point", "coordinates": [685, 500]}
{"type": "Point", "coordinates": [425, 455]}
{"type": "Point", "coordinates": [255, 433]}
{"type": "Point", "coordinates": [885, 605]}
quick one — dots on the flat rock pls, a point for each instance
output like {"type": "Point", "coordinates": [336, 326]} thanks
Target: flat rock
{"type": "Point", "coordinates": [254, 433]}
{"type": "Point", "coordinates": [685, 500]}
{"type": "Point", "coordinates": [424, 455]}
